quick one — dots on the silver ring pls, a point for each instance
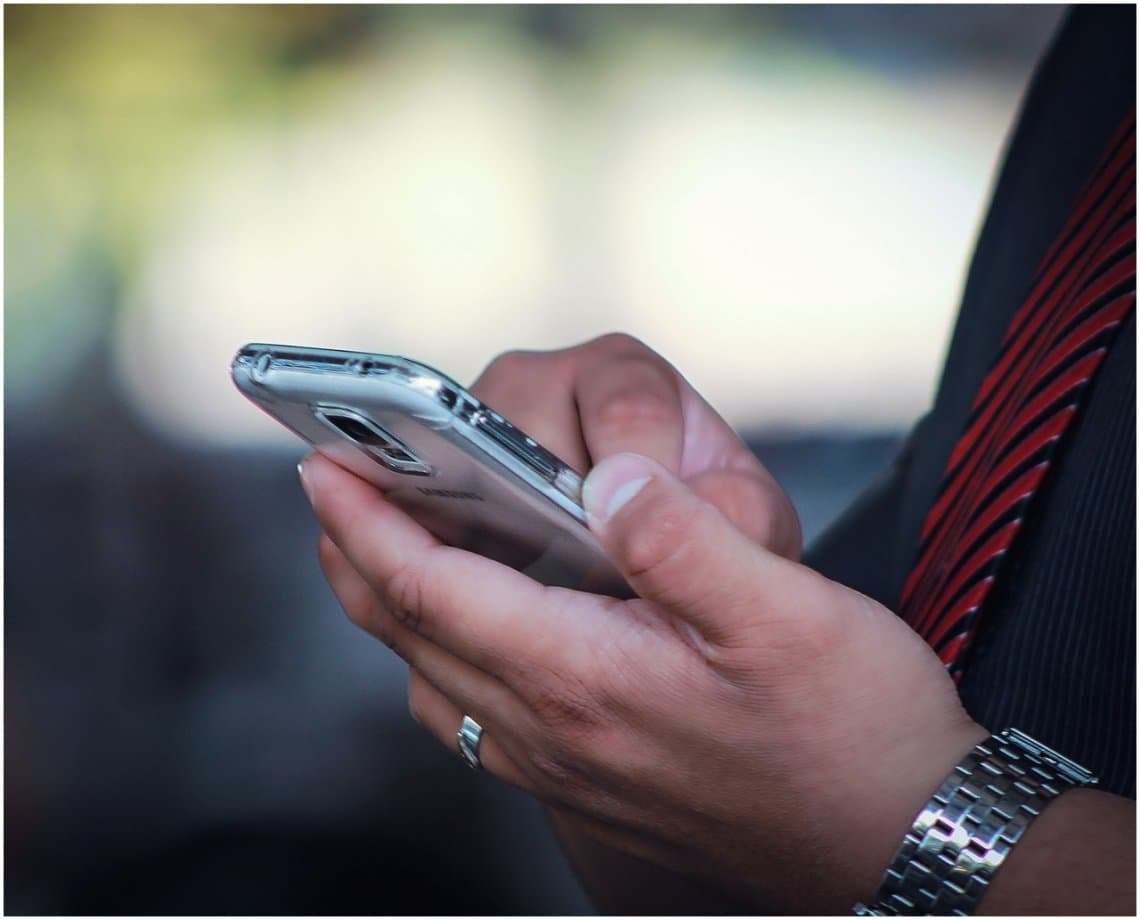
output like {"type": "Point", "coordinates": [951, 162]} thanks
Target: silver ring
{"type": "Point", "coordinates": [470, 734]}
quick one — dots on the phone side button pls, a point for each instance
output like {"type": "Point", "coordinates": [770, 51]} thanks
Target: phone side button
{"type": "Point", "coordinates": [569, 484]}
{"type": "Point", "coordinates": [261, 366]}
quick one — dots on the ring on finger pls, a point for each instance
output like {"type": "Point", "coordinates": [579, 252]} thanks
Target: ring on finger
{"type": "Point", "coordinates": [469, 737]}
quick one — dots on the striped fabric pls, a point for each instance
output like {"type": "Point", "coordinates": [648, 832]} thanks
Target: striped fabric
{"type": "Point", "coordinates": [1083, 290]}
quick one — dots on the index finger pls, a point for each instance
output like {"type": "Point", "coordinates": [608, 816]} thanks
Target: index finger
{"type": "Point", "coordinates": [629, 400]}
{"type": "Point", "coordinates": [483, 612]}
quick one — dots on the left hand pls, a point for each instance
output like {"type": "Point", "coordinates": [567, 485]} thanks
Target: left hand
{"type": "Point", "coordinates": [745, 720]}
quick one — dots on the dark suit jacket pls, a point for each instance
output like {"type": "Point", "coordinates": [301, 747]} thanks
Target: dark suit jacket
{"type": "Point", "coordinates": [1055, 650]}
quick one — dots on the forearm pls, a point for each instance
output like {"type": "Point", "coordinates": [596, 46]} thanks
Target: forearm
{"type": "Point", "coordinates": [1077, 858]}
{"type": "Point", "coordinates": [619, 883]}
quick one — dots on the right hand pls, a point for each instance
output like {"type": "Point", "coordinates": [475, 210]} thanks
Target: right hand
{"type": "Point", "coordinates": [707, 728]}
{"type": "Point", "coordinates": [615, 394]}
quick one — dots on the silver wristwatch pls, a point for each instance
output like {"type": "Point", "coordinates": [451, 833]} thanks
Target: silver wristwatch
{"type": "Point", "coordinates": [964, 833]}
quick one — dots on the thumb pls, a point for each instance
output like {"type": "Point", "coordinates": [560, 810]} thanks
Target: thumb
{"type": "Point", "coordinates": [676, 549]}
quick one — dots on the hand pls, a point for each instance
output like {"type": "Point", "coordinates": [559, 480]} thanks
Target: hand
{"type": "Point", "coordinates": [614, 394]}
{"type": "Point", "coordinates": [744, 720]}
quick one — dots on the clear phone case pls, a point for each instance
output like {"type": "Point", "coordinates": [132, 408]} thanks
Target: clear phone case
{"type": "Point", "coordinates": [458, 467]}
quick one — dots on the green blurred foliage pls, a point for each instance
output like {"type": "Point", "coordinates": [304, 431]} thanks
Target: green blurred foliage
{"type": "Point", "coordinates": [106, 107]}
{"type": "Point", "coordinates": [112, 111]}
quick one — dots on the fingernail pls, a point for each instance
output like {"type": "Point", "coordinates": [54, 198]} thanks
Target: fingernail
{"type": "Point", "coordinates": [302, 471]}
{"type": "Point", "coordinates": [613, 483]}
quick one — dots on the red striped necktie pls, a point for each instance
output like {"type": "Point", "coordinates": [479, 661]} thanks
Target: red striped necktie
{"type": "Point", "coordinates": [1082, 292]}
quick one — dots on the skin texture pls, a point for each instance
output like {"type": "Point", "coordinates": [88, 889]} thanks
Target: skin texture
{"type": "Point", "coordinates": [744, 722]}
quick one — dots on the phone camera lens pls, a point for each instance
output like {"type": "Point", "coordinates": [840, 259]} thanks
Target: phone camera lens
{"type": "Point", "coordinates": [351, 428]}
{"type": "Point", "coordinates": [381, 446]}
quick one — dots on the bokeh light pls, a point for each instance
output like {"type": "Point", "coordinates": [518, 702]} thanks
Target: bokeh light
{"type": "Point", "coordinates": [788, 223]}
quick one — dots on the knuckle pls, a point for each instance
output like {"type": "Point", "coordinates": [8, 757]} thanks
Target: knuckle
{"type": "Point", "coordinates": [566, 708]}
{"type": "Point", "coordinates": [664, 540]}
{"type": "Point", "coordinates": [619, 343]}
{"type": "Point", "coordinates": [381, 625]}
{"type": "Point", "coordinates": [523, 384]}
{"type": "Point", "coordinates": [560, 772]}
{"type": "Point", "coordinates": [631, 410]}
{"type": "Point", "coordinates": [406, 595]}
{"type": "Point", "coordinates": [569, 716]}
{"type": "Point", "coordinates": [509, 365]}
{"type": "Point", "coordinates": [566, 778]}
{"type": "Point", "coordinates": [375, 620]}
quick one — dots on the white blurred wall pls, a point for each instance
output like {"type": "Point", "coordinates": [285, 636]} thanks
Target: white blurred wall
{"type": "Point", "coordinates": [787, 222]}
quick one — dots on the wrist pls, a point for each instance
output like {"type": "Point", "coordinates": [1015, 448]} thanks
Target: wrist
{"type": "Point", "coordinates": [921, 767]}
{"type": "Point", "coordinates": [971, 824]}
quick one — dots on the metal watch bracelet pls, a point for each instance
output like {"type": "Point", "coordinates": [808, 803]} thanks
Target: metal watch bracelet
{"type": "Point", "coordinates": [964, 833]}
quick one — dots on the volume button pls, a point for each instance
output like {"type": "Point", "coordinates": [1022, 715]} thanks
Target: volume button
{"type": "Point", "coordinates": [261, 366]}
{"type": "Point", "coordinates": [526, 449]}
{"type": "Point", "coordinates": [569, 484]}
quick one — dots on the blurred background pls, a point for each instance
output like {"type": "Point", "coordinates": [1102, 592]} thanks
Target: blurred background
{"type": "Point", "coordinates": [782, 200]}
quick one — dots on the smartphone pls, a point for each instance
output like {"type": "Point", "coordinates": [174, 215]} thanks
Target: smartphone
{"type": "Point", "coordinates": [454, 464]}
